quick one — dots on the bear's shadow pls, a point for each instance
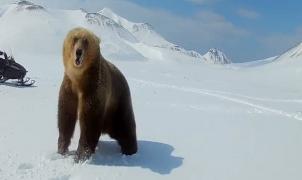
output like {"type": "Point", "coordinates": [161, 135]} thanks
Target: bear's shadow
{"type": "Point", "coordinates": [154, 156]}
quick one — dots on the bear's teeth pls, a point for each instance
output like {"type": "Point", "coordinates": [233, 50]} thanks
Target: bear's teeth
{"type": "Point", "coordinates": [78, 61]}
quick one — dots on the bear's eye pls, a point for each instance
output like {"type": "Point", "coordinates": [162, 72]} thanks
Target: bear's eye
{"type": "Point", "coordinates": [75, 39]}
{"type": "Point", "coordinates": [85, 41]}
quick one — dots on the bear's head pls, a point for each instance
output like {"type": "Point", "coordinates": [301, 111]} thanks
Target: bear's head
{"type": "Point", "coordinates": [81, 49]}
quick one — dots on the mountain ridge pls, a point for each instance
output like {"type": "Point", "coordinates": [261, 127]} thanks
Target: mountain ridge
{"type": "Point", "coordinates": [294, 53]}
{"type": "Point", "coordinates": [119, 34]}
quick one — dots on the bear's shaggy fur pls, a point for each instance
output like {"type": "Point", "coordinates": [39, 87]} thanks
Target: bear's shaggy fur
{"type": "Point", "coordinates": [95, 92]}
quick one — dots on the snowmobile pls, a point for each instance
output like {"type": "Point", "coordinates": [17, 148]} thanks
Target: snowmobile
{"type": "Point", "coordinates": [11, 70]}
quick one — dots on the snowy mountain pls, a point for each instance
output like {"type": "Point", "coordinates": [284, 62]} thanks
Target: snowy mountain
{"type": "Point", "coordinates": [294, 53]}
{"type": "Point", "coordinates": [26, 5]}
{"type": "Point", "coordinates": [20, 6]}
{"type": "Point", "coordinates": [216, 56]}
{"type": "Point", "coordinates": [120, 37]}
{"type": "Point", "coordinates": [107, 24]}
{"type": "Point", "coordinates": [145, 33]}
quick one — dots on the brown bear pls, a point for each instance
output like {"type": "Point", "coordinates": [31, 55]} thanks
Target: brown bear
{"type": "Point", "coordinates": [96, 93]}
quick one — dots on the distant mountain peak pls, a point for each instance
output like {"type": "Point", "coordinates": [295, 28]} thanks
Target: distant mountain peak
{"type": "Point", "coordinates": [299, 52]}
{"type": "Point", "coordinates": [216, 56]}
{"type": "Point", "coordinates": [293, 53]}
{"type": "Point", "coordinates": [106, 23]}
{"type": "Point", "coordinates": [296, 51]}
{"type": "Point", "coordinates": [112, 15]}
{"type": "Point", "coordinates": [24, 2]}
{"type": "Point", "coordinates": [145, 33]}
{"type": "Point", "coordinates": [27, 5]}
{"type": "Point", "coordinates": [123, 21]}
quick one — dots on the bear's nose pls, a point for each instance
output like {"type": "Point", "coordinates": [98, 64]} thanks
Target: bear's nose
{"type": "Point", "coordinates": [79, 52]}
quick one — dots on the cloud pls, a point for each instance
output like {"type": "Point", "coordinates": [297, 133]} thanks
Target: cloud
{"type": "Point", "coordinates": [249, 14]}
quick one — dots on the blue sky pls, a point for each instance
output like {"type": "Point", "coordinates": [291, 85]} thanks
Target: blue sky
{"type": "Point", "coordinates": [267, 23]}
{"type": "Point", "coordinates": [284, 15]}
{"type": "Point", "coordinates": [244, 29]}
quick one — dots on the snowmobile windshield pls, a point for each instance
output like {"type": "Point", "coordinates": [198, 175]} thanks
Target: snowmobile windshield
{"type": "Point", "coordinates": [5, 51]}
{"type": "Point", "coordinates": [3, 55]}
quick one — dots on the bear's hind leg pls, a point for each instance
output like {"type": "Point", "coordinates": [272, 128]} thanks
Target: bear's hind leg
{"type": "Point", "coordinates": [124, 129]}
{"type": "Point", "coordinates": [128, 144]}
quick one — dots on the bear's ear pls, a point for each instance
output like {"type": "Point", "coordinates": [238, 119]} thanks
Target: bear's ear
{"type": "Point", "coordinates": [98, 39]}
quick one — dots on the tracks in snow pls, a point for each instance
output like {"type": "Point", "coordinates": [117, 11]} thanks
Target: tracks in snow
{"type": "Point", "coordinates": [228, 97]}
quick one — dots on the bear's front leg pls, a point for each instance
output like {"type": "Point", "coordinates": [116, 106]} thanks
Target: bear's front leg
{"type": "Point", "coordinates": [67, 115]}
{"type": "Point", "coordinates": [90, 131]}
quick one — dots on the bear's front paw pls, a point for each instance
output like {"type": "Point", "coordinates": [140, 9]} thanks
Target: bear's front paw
{"type": "Point", "coordinates": [62, 149]}
{"type": "Point", "coordinates": [82, 155]}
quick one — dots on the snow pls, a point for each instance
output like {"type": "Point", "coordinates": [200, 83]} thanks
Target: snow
{"type": "Point", "coordinates": [254, 63]}
{"type": "Point", "coordinates": [194, 120]}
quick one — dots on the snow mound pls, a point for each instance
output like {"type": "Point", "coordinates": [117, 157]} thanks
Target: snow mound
{"type": "Point", "coordinates": [216, 56]}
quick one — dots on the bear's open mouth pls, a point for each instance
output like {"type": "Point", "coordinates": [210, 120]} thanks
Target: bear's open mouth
{"type": "Point", "coordinates": [78, 61]}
